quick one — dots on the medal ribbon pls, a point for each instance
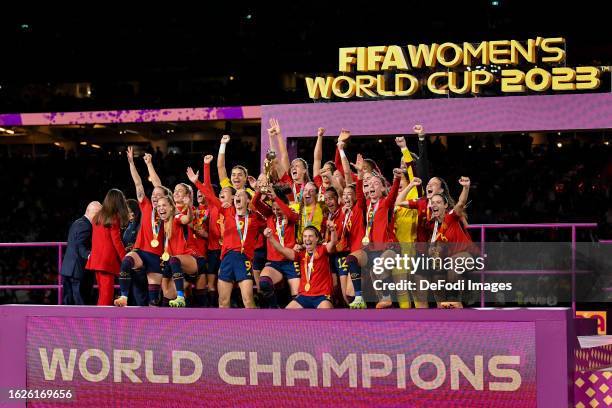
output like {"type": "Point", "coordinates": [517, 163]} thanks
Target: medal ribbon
{"type": "Point", "coordinates": [155, 224]}
{"type": "Point", "coordinates": [371, 218]}
{"type": "Point", "coordinates": [309, 266]}
{"type": "Point", "coordinates": [434, 235]}
{"type": "Point", "coordinates": [295, 196]}
{"type": "Point", "coordinates": [246, 229]}
{"type": "Point", "coordinates": [310, 217]}
{"type": "Point", "coordinates": [166, 245]}
{"type": "Point", "coordinates": [347, 216]}
{"type": "Point", "coordinates": [280, 230]}
{"type": "Point", "coordinates": [331, 217]}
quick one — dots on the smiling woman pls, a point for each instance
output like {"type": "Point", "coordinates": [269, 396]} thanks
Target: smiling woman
{"type": "Point", "coordinates": [240, 230]}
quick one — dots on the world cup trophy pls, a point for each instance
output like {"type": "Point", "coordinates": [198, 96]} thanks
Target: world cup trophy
{"type": "Point", "coordinates": [267, 170]}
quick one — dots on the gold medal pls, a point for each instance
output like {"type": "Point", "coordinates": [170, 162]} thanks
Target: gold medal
{"type": "Point", "coordinates": [365, 241]}
{"type": "Point", "coordinates": [307, 286]}
{"type": "Point", "coordinates": [154, 243]}
{"type": "Point", "coordinates": [165, 256]}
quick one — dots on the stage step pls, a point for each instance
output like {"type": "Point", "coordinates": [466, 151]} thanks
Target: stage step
{"type": "Point", "coordinates": [593, 353]}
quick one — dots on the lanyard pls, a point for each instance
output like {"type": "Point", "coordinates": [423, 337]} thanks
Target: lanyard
{"type": "Point", "coordinates": [312, 211]}
{"type": "Point", "coordinates": [155, 224]}
{"type": "Point", "coordinates": [202, 215]}
{"type": "Point", "coordinates": [166, 255]}
{"type": "Point", "coordinates": [295, 196]}
{"type": "Point", "coordinates": [347, 216]}
{"type": "Point", "coordinates": [434, 234]}
{"type": "Point", "coordinates": [246, 229]}
{"type": "Point", "coordinates": [331, 217]}
{"type": "Point", "coordinates": [309, 266]}
{"type": "Point", "coordinates": [280, 230]}
{"type": "Point", "coordinates": [371, 218]}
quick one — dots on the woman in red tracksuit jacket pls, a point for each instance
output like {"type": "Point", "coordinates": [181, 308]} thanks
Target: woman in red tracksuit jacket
{"type": "Point", "coordinates": [107, 249]}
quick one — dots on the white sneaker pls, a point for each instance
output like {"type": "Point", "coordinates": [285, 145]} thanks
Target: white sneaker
{"type": "Point", "coordinates": [178, 302]}
{"type": "Point", "coordinates": [121, 301]}
{"type": "Point", "coordinates": [358, 303]}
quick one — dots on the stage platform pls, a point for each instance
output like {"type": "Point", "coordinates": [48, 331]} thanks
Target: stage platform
{"type": "Point", "coordinates": [236, 357]}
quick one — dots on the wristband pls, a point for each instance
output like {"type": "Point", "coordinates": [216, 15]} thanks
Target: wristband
{"type": "Point", "coordinates": [342, 154]}
{"type": "Point", "coordinates": [222, 148]}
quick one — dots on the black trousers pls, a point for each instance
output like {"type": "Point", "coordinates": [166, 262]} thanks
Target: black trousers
{"type": "Point", "coordinates": [71, 291]}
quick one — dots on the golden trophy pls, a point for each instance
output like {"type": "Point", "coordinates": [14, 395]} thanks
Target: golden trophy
{"type": "Point", "coordinates": [268, 168]}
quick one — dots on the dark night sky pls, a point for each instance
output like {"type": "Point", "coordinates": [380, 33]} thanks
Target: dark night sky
{"type": "Point", "coordinates": [172, 51]}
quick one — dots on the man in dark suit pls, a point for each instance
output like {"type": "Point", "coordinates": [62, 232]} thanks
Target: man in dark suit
{"type": "Point", "coordinates": [78, 249]}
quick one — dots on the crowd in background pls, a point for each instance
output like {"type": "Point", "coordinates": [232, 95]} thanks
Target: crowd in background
{"type": "Point", "coordinates": [513, 182]}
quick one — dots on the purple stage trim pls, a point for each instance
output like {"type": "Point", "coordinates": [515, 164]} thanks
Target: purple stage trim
{"type": "Point", "coordinates": [131, 116]}
{"type": "Point", "coordinates": [545, 335]}
{"type": "Point", "coordinates": [443, 116]}
{"type": "Point", "coordinates": [10, 119]}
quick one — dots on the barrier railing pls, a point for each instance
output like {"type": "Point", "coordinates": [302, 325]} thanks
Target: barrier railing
{"type": "Point", "coordinates": [573, 226]}
{"type": "Point", "coordinates": [482, 227]}
{"type": "Point", "coordinates": [60, 246]}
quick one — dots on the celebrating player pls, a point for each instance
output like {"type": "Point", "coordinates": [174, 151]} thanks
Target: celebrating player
{"type": "Point", "coordinates": [316, 282]}
{"type": "Point", "coordinates": [281, 220]}
{"type": "Point", "coordinates": [378, 233]}
{"type": "Point", "coordinates": [239, 238]}
{"type": "Point", "coordinates": [147, 248]}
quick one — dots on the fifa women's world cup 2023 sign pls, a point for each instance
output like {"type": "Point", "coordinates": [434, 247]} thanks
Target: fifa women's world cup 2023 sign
{"type": "Point", "coordinates": [385, 71]}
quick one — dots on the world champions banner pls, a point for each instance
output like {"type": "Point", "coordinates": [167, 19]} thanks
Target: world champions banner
{"type": "Point", "coordinates": [160, 363]}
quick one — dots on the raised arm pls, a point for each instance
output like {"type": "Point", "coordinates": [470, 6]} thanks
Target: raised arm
{"type": "Point", "coordinates": [397, 174]}
{"type": "Point", "coordinates": [333, 237]}
{"type": "Point", "coordinates": [272, 137]}
{"type": "Point", "coordinates": [155, 180]}
{"type": "Point", "coordinates": [342, 138]}
{"type": "Point", "coordinates": [140, 193]}
{"type": "Point", "coordinates": [187, 218]}
{"type": "Point", "coordinates": [318, 153]}
{"type": "Point", "coordinates": [406, 155]}
{"type": "Point", "coordinates": [206, 189]}
{"type": "Point", "coordinates": [423, 162]}
{"type": "Point", "coordinates": [404, 193]}
{"type": "Point", "coordinates": [221, 158]}
{"type": "Point", "coordinates": [278, 167]}
{"type": "Point", "coordinates": [337, 182]}
{"type": "Point", "coordinates": [291, 215]}
{"type": "Point", "coordinates": [346, 165]}
{"type": "Point", "coordinates": [260, 206]}
{"type": "Point", "coordinates": [286, 252]}
{"type": "Point", "coordinates": [459, 213]}
{"type": "Point", "coordinates": [282, 147]}
{"type": "Point", "coordinates": [465, 182]}
{"type": "Point", "coordinates": [360, 196]}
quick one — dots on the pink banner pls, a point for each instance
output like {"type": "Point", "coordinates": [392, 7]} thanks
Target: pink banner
{"type": "Point", "coordinates": [131, 116]}
{"type": "Point", "coordinates": [110, 361]}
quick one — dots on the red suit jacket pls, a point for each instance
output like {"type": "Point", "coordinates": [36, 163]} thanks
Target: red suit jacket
{"type": "Point", "coordinates": [107, 250]}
